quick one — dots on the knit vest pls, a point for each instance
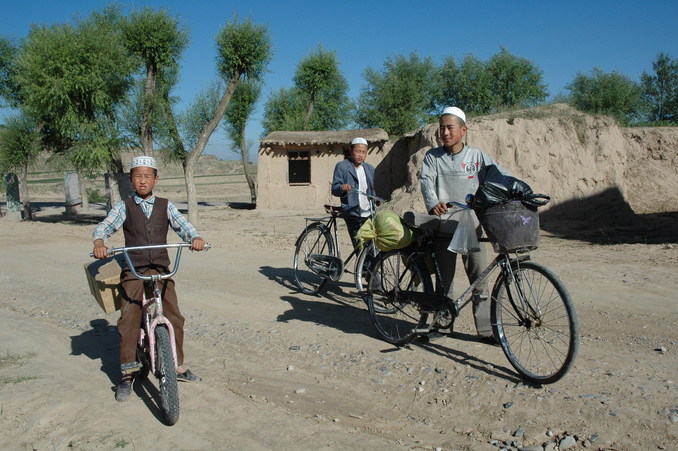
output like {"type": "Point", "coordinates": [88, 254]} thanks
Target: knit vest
{"type": "Point", "coordinates": [142, 231]}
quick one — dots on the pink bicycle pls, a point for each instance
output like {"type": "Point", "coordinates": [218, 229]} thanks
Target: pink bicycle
{"type": "Point", "coordinates": [156, 350]}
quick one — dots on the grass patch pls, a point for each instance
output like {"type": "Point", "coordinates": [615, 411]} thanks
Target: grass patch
{"type": "Point", "coordinates": [15, 359]}
{"type": "Point", "coordinates": [93, 195]}
{"type": "Point", "coordinates": [45, 181]}
{"type": "Point", "coordinates": [15, 380]}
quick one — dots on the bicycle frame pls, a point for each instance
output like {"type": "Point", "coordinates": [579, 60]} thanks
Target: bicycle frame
{"type": "Point", "coordinates": [504, 261]}
{"type": "Point", "coordinates": [152, 308]}
{"type": "Point", "coordinates": [330, 222]}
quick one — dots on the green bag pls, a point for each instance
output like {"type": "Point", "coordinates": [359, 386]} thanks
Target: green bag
{"type": "Point", "coordinates": [387, 230]}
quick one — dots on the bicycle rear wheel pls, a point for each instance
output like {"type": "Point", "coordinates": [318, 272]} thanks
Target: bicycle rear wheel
{"type": "Point", "coordinates": [393, 311]}
{"type": "Point", "coordinates": [534, 319]}
{"type": "Point", "coordinates": [167, 375]}
{"type": "Point", "coordinates": [363, 264]}
{"type": "Point", "coordinates": [314, 240]}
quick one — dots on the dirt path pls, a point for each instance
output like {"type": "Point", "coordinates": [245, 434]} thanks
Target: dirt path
{"type": "Point", "coordinates": [287, 371]}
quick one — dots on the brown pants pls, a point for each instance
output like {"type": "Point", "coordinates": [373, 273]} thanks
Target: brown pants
{"type": "Point", "coordinates": [131, 314]}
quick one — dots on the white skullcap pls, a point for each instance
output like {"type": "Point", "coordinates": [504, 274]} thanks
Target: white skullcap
{"type": "Point", "coordinates": [148, 162]}
{"type": "Point", "coordinates": [454, 111]}
{"type": "Point", "coordinates": [358, 141]}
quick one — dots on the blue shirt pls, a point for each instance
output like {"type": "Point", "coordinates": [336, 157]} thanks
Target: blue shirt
{"type": "Point", "coordinates": [118, 214]}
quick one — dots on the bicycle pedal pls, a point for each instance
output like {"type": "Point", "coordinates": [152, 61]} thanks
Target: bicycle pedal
{"type": "Point", "coordinates": [422, 331]}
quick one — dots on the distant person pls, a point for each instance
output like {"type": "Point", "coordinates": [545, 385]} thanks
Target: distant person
{"type": "Point", "coordinates": [145, 220]}
{"type": "Point", "coordinates": [449, 173]}
{"type": "Point", "coordinates": [350, 176]}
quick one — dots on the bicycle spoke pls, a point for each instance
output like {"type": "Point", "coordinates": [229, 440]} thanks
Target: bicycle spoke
{"type": "Point", "coordinates": [393, 314]}
{"type": "Point", "coordinates": [314, 241]}
{"type": "Point", "coordinates": [535, 321]}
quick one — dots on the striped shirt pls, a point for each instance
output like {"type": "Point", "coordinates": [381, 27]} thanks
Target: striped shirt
{"type": "Point", "coordinates": [118, 214]}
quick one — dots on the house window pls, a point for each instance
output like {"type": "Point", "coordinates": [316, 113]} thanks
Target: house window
{"type": "Point", "coordinates": [299, 167]}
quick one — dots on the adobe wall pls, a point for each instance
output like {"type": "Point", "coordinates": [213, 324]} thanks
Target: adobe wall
{"type": "Point", "coordinates": [274, 191]}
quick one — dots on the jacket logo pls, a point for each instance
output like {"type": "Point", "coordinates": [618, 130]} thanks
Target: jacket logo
{"type": "Point", "coordinates": [470, 169]}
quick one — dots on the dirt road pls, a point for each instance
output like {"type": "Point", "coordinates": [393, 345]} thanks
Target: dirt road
{"type": "Point", "coordinates": [284, 371]}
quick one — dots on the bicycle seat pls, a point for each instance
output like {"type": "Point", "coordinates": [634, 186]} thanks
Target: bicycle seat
{"type": "Point", "coordinates": [333, 210]}
{"type": "Point", "coordinates": [443, 224]}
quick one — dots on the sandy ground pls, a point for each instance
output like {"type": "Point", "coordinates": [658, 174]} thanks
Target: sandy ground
{"type": "Point", "coordinates": [284, 370]}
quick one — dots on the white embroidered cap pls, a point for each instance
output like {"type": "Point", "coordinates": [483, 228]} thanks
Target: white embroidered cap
{"type": "Point", "coordinates": [454, 111]}
{"type": "Point", "coordinates": [358, 141]}
{"type": "Point", "coordinates": [148, 162]}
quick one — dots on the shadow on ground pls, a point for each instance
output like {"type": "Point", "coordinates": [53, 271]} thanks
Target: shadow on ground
{"type": "Point", "coordinates": [607, 218]}
{"type": "Point", "coordinates": [100, 343]}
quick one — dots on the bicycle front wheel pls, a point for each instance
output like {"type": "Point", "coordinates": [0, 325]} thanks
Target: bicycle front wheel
{"type": "Point", "coordinates": [393, 311]}
{"type": "Point", "coordinates": [167, 375]}
{"type": "Point", "coordinates": [363, 264]}
{"type": "Point", "coordinates": [314, 240]}
{"type": "Point", "coordinates": [534, 319]}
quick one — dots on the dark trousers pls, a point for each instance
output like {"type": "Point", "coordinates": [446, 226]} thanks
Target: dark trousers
{"type": "Point", "coordinates": [474, 264]}
{"type": "Point", "coordinates": [130, 315]}
{"type": "Point", "coordinates": [353, 224]}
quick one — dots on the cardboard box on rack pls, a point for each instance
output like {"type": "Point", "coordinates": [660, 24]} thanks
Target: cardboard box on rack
{"type": "Point", "coordinates": [103, 277]}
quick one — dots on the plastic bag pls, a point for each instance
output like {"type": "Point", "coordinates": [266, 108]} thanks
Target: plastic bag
{"type": "Point", "coordinates": [496, 188]}
{"type": "Point", "coordinates": [465, 241]}
{"type": "Point", "coordinates": [387, 230]}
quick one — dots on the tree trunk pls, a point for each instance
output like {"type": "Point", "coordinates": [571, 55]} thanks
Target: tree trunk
{"type": "Point", "coordinates": [149, 103]}
{"type": "Point", "coordinates": [191, 193]}
{"type": "Point", "coordinates": [111, 183]}
{"type": "Point", "coordinates": [309, 111]}
{"type": "Point", "coordinates": [193, 157]}
{"type": "Point", "coordinates": [245, 165]}
{"type": "Point", "coordinates": [23, 188]}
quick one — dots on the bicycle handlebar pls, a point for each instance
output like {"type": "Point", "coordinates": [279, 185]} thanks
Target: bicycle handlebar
{"type": "Point", "coordinates": [369, 196]}
{"type": "Point", "coordinates": [130, 265]}
{"type": "Point", "coordinates": [457, 204]}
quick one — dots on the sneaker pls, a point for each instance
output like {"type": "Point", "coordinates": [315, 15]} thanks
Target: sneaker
{"type": "Point", "coordinates": [188, 376]}
{"type": "Point", "coordinates": [124, 389]}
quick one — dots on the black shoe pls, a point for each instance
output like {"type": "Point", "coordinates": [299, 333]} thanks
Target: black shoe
{"type": "Point", "coordinates": [433, 335]}
{"type": "Point", "coordinates": [124, 389]}
{"type": "Point", "coordinates": [188, 376]}
{"type": "Point", "coordinates": [489, 340]}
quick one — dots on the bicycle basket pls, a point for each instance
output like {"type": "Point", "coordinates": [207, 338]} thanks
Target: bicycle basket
{"type": "Point", "coordinates": [511, 226]}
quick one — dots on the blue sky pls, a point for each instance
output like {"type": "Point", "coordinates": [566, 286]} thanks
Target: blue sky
{"type": "Point", "coordinates": [561, 38]}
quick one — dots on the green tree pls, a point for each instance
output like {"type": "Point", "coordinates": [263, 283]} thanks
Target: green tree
{"type": "Point", "coordinates": [504, 81]}
{"type": "Point", "coordinates": [468, 86]}
{"type": "Point", "coordinates": [158, 41]}
{"type": "Point", "coordinates": [611, 94]}
{"type": "Point", "coordinates": [284, 110]}
{"type": "Point", "coordinates": [19, 148]}
{"type": "Point", "coordinates": [71, 78]}
{"type": "Point", "coordinates": [8, 89]}
{"type": "Point", "coordinates": [516, 81]}
{"type": "Point", "coordinates": [401, 96]}
{"type": "Point", "coordinates": [238, 113]}
{"type": "Point", "coordinates": [244, 50]}
{"type": "Point", "coordinates": [660, 90]}
{"type": "Point", "coordinates": [317, 101]}
{"type": "Point", "coordinates": [324, 89]}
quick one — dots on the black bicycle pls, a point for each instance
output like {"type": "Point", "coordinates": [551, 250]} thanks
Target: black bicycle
{"type": "Point", "coordinates": [317, 256]}
{"type": "Point", "coordinates": [532, 314]}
